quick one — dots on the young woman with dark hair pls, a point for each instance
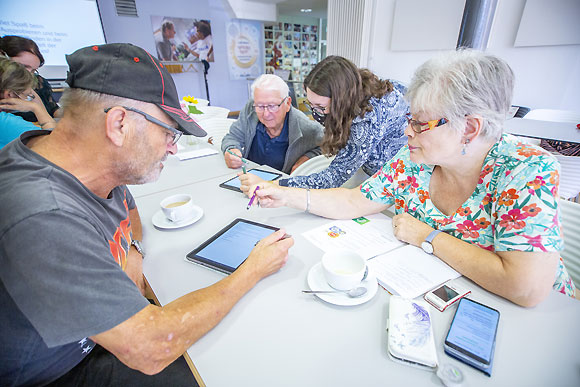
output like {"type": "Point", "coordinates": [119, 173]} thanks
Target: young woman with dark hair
{"type": "Point", "coordinates": [364, 120]}
{"type": "Point", "coordinates": [27, 53]}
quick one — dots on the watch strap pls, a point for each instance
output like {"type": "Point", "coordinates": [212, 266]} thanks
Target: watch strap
{"type": "Point", "coordinates": [432, 236]}
{"type": "Point", "coordinates": [137, 244]}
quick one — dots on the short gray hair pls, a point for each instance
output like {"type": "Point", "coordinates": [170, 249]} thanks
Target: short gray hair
{"type": "Point", "coordinates": [75, 98]}
{"type": "Point", "coordinates": [271, 82]}
{"type": "Point", "coordinates": [464, 82]}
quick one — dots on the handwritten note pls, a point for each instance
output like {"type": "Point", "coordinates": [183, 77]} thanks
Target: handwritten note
{"type": "Point", "coordinates": [410, 272]}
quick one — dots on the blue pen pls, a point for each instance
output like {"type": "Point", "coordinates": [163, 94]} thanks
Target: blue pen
{"type": "Point", "coordinates": [252, 199]}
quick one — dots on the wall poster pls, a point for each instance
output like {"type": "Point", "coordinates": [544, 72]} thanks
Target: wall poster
{"type": "Point", "coordinates": [182, 40]}
{"type": "Point", "coordinates": [243, 44]}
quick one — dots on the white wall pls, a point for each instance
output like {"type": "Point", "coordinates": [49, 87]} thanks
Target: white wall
{"type": "Point", "coordinates": [546, 77]}
{"type": "Point", "coordinates": [223, 92]}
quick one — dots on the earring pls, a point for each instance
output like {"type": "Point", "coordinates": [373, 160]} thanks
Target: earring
{"type": "Point", "coordinates": [463, 152]}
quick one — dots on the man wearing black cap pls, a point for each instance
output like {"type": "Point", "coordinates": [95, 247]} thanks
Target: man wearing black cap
{"type": "Point", "coordinates": [69, 236]}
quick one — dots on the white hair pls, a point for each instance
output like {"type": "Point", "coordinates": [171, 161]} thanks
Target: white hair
{"type": "Point", "coordinates": [81, 100]}
{"type": "Point", "coordinates": [271, 82]}
{"type": "Point", "coordinates": [464, 82]}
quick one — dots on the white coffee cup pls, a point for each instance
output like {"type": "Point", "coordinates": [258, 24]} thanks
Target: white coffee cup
{"type": "Point", "coordinates": [177, 207]}
{"type": "Point", "coordinates": [343, 270]}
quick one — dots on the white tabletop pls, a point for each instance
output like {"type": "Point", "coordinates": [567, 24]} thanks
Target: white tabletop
{"type": "Point", "coordinates": [277, 336]}
{"type": "Point", "coordinates": [178, 173]}
{"type": "Point", "coordinates": [561, 131]}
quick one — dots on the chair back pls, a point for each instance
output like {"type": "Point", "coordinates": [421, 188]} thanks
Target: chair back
{"type": "Point", "coordinates": [570, 215]}
{"type": "Point", "coordinates": [569, 176]}
{"type": "Point", "coordinates": [356, 179]}
{"type": "Point", "coordinates": [315, 164]}
{"type": "Point", "coordinates": [216, 129]}
{"type": "Point", "coordinates": [553, 115]}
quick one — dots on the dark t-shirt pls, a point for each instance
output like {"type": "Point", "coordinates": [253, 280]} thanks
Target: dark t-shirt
{"type": "Point", "coordinates": [62, 253]}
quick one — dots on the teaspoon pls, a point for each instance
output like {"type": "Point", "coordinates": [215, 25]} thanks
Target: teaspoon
{"type": "Point", "coordinates": [353, 293]}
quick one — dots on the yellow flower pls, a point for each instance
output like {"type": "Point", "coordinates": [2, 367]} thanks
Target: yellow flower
{"type": "Point", "coordinates": [190, 99]}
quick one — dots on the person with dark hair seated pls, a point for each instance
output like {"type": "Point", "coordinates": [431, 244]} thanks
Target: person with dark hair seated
{"type": "Point", "coordinates": [27, 53]}
{"type": "Point", "coordinates": [363, 118]}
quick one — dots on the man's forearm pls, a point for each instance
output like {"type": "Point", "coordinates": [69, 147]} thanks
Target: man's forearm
{"type": "Point", "coordinates": [160, 335]}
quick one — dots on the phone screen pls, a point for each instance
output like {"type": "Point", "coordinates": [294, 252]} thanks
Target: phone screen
{"type": "Point", "coordinates": [473, 330]}
{"type": "Point", "coordinates": [445, 293]}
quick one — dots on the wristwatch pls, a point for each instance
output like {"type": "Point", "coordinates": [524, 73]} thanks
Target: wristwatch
{"type": "Point", "coordinates": [426, 245]}
{"type": "Point", "coordinates": [138, 246]}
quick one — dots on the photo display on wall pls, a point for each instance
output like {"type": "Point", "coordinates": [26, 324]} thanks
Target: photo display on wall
{"type": "Point", "coordinates": [293, 48]}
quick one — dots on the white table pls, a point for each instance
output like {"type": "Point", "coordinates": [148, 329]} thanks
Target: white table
{"type": "Point", "coordinates": [560, 131]}
{"type": "Point", "coordinates": [178, 173]}
{"type": "Point", "coordinates": [277, 336]}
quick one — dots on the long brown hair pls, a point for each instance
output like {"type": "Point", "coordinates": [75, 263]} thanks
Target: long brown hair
{"type": "Point", "coordinates": [349, 89]}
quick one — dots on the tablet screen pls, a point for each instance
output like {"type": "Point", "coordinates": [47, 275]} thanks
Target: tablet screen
{"type": "Point", "coordinates": [234, 183]}
{"type": "Point", "coordinates": [226, 250]}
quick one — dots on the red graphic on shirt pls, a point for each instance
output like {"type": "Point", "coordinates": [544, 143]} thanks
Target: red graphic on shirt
{"type": "Point", "coordinates": [123, 232]}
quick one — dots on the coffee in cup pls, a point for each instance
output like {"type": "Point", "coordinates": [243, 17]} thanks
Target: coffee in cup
{"type": "Point", "coordinates": [177, 207]}
{"type": "Point", "coordinates": [343, 270]}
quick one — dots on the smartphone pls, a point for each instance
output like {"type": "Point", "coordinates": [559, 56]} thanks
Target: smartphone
{"type": "Point", "coordinates": [444, 296]}
{"type": "Point", "coordinates": [472, 334]}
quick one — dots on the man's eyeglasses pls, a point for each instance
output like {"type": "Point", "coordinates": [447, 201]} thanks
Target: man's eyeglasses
{"type": "Point", "coordinates": [28, 97]}
{"type": "Point", "coordinates": [270, 108]}
{"type": "Point", "coordinates": [175, 134]}
{"type": "Point", "coordinates": [420, 127]}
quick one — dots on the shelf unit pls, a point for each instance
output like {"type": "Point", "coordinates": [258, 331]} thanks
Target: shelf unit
{"type": "Point", "coordinates": [291, 47]}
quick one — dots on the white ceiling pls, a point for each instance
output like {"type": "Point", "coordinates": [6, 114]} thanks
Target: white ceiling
{"type": "Point", "coordinates": [292, 7]}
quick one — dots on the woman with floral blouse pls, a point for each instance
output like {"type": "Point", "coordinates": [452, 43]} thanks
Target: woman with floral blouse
{"type": "Point", "coordinates": [480, 200]}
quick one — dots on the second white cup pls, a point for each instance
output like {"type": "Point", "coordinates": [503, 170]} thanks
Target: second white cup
{"type": "Point", "coordinates": [177, 207]}
{"type": "Point", "coordinates": [343, 270]}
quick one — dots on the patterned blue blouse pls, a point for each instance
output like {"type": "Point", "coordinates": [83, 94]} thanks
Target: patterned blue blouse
{"type": "Point", "coordinates": [374, 139]}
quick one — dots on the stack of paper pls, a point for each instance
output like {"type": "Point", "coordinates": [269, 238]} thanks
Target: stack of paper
{"type": "Point", "coordinates": [196, 153]}
{"type": "Point", "coordinates": [410, 272]}
{"type": "Point", "coordinates": [400, 268]}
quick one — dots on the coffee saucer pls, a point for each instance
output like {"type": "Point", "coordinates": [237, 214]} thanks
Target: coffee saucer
{"type": "Point", "coordinates": [161, 221]}
{"type": "Point", "coordinates": [316, 281]}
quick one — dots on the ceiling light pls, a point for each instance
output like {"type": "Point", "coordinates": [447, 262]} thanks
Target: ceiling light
{"type": "Point", "coordinates": [306, 10]}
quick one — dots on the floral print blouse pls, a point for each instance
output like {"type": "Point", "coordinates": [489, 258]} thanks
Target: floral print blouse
{"type": "Point", "coordinates": [514, 206]}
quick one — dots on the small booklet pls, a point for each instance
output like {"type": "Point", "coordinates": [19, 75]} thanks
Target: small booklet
{"type": "Point", "coordinates": [410, 272]}
{"type": "Point", "coordinates": [410, 333]}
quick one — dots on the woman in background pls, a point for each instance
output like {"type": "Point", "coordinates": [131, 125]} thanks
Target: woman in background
{"type": "Point", "coordinates": [363, 117]}
{"type": "Point", "coordinates": [16, 93]}
{"type": "Point", "coordinates": [26, 52]}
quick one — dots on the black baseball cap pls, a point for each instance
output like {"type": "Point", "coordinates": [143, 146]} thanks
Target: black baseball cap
{"type": "Point", "coordinates": [128, 71]}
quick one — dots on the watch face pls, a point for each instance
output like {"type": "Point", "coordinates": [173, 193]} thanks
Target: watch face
{"type": "Point", "coordinates": [427, 247]}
